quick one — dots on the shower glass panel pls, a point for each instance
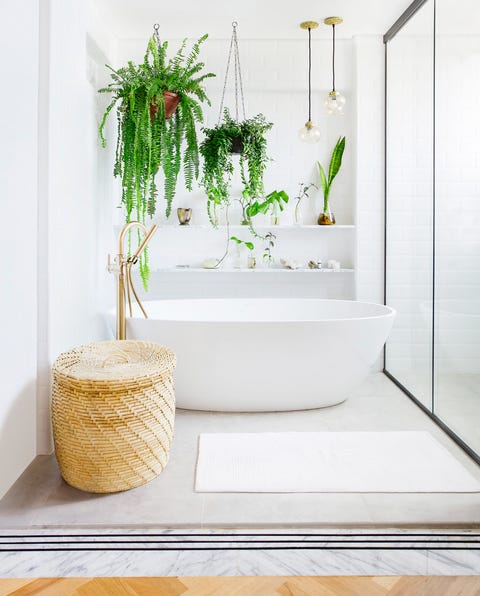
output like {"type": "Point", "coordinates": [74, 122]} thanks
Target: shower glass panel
{"type": "Point", "coordinates": [457, 219]}
{"type": "Point", "coordinates": [409, 191]}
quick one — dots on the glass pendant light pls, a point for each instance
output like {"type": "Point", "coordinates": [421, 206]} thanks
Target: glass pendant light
{"type": "Point", "coordinates": [309, 133]}
{"type": "Point", "coordinates": [335, 101]}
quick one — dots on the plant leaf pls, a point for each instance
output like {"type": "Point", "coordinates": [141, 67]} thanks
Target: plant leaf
{"type": "Point", "coordinates": [336, 160]}
{"type": "Point", "coordinates": [323, 179]}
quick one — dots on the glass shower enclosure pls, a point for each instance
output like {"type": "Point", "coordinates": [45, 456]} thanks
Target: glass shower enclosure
{"type": "Point", "coordinates": [432, 212]}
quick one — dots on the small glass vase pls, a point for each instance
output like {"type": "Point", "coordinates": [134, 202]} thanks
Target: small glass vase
{"type": "Point", "coordinates": [237, 260]}
{"type": "Point", "coordinates": [298, 214]}
{"type": "Point", "coordinates": [274, 216]}
{"type": "Point", "coordinates": [326, 217]}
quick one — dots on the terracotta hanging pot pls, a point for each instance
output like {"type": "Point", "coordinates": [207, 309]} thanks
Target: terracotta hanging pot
{"type": "Point", "coordinates": [171, 102]}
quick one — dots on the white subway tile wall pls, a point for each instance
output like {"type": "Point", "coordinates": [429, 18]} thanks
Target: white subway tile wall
{"type": "Point", "coordinates": [410, 202]}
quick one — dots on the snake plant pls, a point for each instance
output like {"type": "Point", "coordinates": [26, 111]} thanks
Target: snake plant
{"type": "Point", "coordinates": [335, 164]}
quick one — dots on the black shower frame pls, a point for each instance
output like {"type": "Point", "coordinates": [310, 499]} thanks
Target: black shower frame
{"type": "Point", "coordinates": [389, 35]}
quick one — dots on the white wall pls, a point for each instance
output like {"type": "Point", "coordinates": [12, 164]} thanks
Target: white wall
{"type": "Point", "coordinates": [55, 287]}
{"type": "Point", "coordinates": [369, 68]}
{"type": "Point", "coordinates": [369, 167]}
{"type": "Point", "coordinates": [18, 294]}
{"type": "Point", "coordinates": [76, 223]}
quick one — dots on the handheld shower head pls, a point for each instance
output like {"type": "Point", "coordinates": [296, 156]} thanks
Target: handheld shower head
{"type": "Point", "coordinates": [143, 244]}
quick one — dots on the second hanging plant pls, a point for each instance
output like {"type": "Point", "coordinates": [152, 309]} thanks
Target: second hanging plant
{"type": "Point", "coordinates": [232, 135]}
{"type": "Point", "coordinates": [247, 138]}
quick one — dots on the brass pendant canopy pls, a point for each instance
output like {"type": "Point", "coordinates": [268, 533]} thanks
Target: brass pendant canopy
{"type": "Point", "coordinates": [333, 20]}
{"type": "Point", "coordinates": [309, 25]}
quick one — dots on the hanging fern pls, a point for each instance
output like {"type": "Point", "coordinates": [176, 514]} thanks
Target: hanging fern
{"type": "Point", "coordinates": [146, 140]}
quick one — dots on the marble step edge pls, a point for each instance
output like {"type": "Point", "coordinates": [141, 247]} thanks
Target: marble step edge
{"type": "Point", "coordinates": [68, 540]}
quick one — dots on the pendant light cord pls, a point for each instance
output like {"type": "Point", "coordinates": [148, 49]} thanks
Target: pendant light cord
{"type": "Point", "coordinates": [309, 74]}
{"type": "Point", "coordinates": [156, 34]}
{"type": "Point", "coordinates": [333, 58]}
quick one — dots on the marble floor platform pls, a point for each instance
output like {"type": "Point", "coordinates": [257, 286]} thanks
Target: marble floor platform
{"type": "Point", "coordinates": [40, 499]}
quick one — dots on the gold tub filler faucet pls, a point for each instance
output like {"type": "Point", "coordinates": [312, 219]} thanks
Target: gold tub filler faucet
{"type": "Point", "coordinates": [122, 267]}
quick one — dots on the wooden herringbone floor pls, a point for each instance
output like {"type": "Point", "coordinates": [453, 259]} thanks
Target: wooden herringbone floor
{"type": "Point", "coordinates": [244, 586]}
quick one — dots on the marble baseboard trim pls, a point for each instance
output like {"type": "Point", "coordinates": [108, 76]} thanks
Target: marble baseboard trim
{"type": "Point", "coordinates": [238, 540]}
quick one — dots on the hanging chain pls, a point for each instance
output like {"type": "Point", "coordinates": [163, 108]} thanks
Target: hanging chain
{"type": "Point", "coordinates": [235, 70]}
{"type": "Point", "coordinates": [238, 83]}
{"type": "Point", "coordinates": [156, 35]}
{"type": "Point", "coordinates": [225, 81]}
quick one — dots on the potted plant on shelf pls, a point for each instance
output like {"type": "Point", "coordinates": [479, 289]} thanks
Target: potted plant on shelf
{"type": "Point", "coordinates": [151, 128]}
{"type": "Point", "coordinates": [327, 217]}
{"type": "Point", "coordinates": [272, 202]}
{"type": "Point", "coordinates": [248, 137]}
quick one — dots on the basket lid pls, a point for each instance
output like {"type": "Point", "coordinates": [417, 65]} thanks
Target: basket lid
{"type": "Point", "coordinates": [115, 359]}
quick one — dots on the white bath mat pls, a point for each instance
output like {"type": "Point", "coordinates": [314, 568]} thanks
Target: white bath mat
{"type": "Point", "coordinates": [363, 462]}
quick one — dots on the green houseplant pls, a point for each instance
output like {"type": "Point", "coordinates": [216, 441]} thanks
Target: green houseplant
{"type": "Point", "coordinates": [248, 138]}
{"type": "Point", "coordinates": [303, 192]}
{"type": "Point", "coordinates": [147, 138]}
{"type": "Point", "coordinates": [272, 203]}
{"type": "Point", "coordinates": [326, 217]}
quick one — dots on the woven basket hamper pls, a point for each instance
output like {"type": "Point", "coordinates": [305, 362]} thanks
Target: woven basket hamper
{"type": "Point", "coordinates": [113, 411]}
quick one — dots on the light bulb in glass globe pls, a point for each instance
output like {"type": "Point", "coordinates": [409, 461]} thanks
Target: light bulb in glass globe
{"type": "Point", "coordinates": [335, 102]}
{"type": "Point", "coordinates": [309, 133]}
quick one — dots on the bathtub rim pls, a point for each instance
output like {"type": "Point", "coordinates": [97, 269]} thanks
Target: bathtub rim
{"type": "Point", "coordinates": [137, 314]}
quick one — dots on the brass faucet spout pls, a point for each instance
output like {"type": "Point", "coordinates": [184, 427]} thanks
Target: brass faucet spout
{"type": "Point", "coordinates": [127, 227]}
{"type": "Point", "coordinates": [124, 278]}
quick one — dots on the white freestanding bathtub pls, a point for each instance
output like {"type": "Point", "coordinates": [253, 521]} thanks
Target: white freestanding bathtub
{"type": "Point", "coordinates": [250, 355]}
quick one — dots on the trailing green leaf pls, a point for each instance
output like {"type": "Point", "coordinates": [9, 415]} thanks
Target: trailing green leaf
{"type": "Point", "coordinates": [249, 245]}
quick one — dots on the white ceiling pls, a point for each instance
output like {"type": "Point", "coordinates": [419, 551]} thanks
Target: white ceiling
{"type": "Point", "coordinates": [280, 19]}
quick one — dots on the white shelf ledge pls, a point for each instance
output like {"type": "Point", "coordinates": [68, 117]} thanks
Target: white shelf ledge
{"type": "Point", "coordinates": [262, 227]}
{"type": "Point", "coordinates": [269, 270]}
